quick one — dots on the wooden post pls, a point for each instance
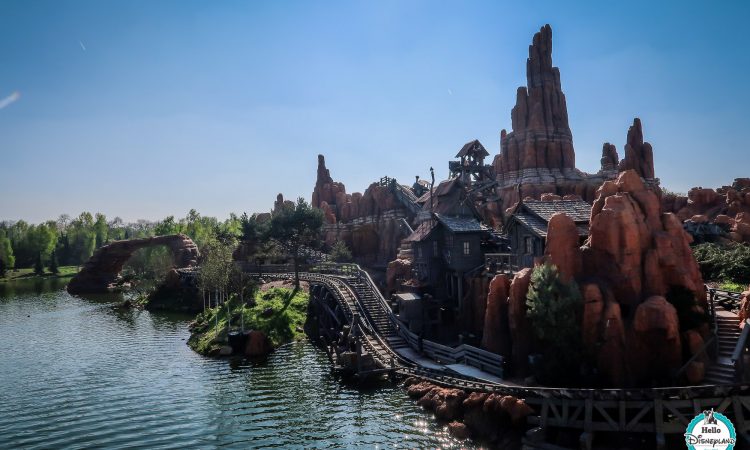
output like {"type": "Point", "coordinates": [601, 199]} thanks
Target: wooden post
{"type": "Point", "coordinates": [587, 437]}
{"type": "Point", "coordinates": [659, 424]}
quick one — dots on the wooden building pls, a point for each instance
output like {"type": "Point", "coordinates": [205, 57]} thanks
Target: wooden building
{"type": "Point", "coordinates": [526, 228]}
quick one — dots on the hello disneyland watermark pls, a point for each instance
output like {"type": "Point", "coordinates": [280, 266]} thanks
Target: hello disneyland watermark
{"type": "Point", "coordinates": [710, 430]}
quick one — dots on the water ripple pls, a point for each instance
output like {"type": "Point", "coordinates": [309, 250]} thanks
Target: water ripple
{"type": "Point", "coordinates": [77, 373]}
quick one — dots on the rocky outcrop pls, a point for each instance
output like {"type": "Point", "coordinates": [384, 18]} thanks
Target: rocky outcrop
{"type": "Point", "coordinates": [541, 137]}
{"type": "Point", "coordinates": [538, 156]}
{"type": "Point", "coordinates": [520, 333]}
{"type": "Point", "coordinates": [635, 257]}
{"type": "Point", "coordinates": [475, 304]}
{"type": "Point", "coordinates": [562, 246]}
{"type": "Point", "coordinates": [727, 207]}
{"type": "Point", "coordinates": [610, 160]}
{"type": "Point", "coordinates": [326, 190]}
{"type": "Point", "coordinates": [494, 418]}
{"type": "Point", "coordinates": [636, 249]}
{"type": "Point", "coordinates": [744, 312]}
{"type": "Point", "coordinates": [658, 349]}
{"type": "Point", "coordinates": [496, 336]}
{"type": "Point", "coordinates": [369, 223]}
{"type": "Point", "coordinates": [102, 271]}
{"type": "Point", "coordinates": [639, 155]}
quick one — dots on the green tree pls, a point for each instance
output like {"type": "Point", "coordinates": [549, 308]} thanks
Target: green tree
{"type": "Point", "coordinates": [6, 251]}
{"type": "Point", "coordinates": [38, 266]}
{"type": "Point", "coordinates": [101, 230]}
{"type": "Point", "coordinates": [295, 227]}
{"type": "Point", "coordinates": [2, 268]}
{"type": "Point", "coordinates": [166, 226]}
{"type": "Point", "coordinates": [53, 267]}
{"type": "Point", "coordinates": [554, 310]}
{"type": "Point", "coordinates": [340, 253]}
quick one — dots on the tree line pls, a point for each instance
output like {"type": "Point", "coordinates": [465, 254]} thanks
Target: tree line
{"type": "Point", "coordinates": [71, 241]}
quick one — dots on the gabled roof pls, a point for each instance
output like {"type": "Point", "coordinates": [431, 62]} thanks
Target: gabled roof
{"type": "Point", "coordinates": [459, 224]}
{"type": "Point", "coordinates": [578, 210]}
{"type": "Point", "coordinates": [539, 227]}
{"type": "Point", "coordinates": [472, 147]}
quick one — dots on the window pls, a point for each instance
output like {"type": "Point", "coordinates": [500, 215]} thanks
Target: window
{"type": "Point", "coordinates": [419, 252]}
{"type": "Point", "coordinates": [434, 248]}
{"type": "Point", "coordinates": [467, 248]}
{"type": "Point", "coordinates": [528, 245]}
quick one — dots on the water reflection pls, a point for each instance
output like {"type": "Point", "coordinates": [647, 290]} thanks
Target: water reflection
{"type": "Point", "coordinates": [111, 377]}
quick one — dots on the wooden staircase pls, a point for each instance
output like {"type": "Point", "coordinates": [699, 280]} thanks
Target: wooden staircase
{"type": "Point", "coordinates": [375, 310]}
{"type": "Point", "coordinates": [723, 370]}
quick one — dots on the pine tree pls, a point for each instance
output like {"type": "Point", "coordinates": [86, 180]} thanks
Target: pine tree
{"type": "Point", "coordinates": [39, 267]}
{"type": "Point", "coordinates": [53, 263]}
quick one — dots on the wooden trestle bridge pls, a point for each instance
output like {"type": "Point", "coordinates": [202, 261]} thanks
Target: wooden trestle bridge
{"type": "Point", "coordinates": [351, 301]}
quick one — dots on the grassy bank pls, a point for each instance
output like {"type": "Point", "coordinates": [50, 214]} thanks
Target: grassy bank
{"type": "Point", "coordinates": [28, 273]}
{"type": "Point", "coordinates": [278, 312]}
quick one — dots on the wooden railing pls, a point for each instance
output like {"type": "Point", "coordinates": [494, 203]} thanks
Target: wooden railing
{"type": "Point", "coordinates": [501, 262]}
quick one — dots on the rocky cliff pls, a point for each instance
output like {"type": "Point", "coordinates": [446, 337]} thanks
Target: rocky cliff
{"type": "Point", "coordinates": [370, 224]}
{"type": "Point", "coordinates": [538, 156]}
{"type": "Point", "coordinates": [727, 206]}
{"type": "Point", "coordinates": [634, 268]}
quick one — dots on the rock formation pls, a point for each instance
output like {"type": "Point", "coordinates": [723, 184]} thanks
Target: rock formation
{"type": "Point", "coordinates": [634, 259]}
{"type": "Point", "coordinates": [541, 137]}
{"type": "Point", "coordinates": [639, 155]}
{"type": "Point", "coordinates": [102, 271]}
{"type": "Point", "coordinates": [538, 156]}
{"type": "Point", "coordinates": [727, 206]}
{"type": "Point", "coordinates": [496, 336]}
{"type": "Point", "coordinates": [498, 419]}
{"type": "Point", "coordinates": [520, 333]}
{"type": "Point", "coordinates": [369, 223]}
{"type": "Point", "coordinates": [610, 160]}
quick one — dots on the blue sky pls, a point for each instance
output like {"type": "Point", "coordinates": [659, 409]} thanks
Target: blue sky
{"type": "Point", "coordinates": [143, 109]}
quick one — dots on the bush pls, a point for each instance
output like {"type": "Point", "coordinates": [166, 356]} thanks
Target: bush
{"type": "Point", "coordinates": [729, 263]}
{"type": "Point", "coordinates": [340, 253]}
{"type": "Point", "coordinates": [554, 310]}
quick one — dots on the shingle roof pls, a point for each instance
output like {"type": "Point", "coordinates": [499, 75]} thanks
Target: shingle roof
{"type": "Point", "coordinates": [475, 146]}
{"type": "Point", "coordinates": [422, 231]}
{"type": "Point", "coordinates": [538, 226]}
{"type": "Point", "coordinates": [458, 224]}
{"type": "Point", "coordinates": [578, 210]}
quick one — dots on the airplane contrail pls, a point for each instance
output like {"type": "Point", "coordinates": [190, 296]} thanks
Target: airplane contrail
{"type": "Point", "coordinates": [14, 96]}
{"type": "Point", "coordinates": [83, 47]}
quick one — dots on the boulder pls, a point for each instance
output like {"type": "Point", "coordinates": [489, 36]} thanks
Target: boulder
{"type": "Point", "coordinates": [257, 344]}
{"type": "Point", "coordinates": [458, 430]}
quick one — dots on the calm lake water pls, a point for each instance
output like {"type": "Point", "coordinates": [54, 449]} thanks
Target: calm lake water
{"type": "Point", "coordinates": [79, 373]}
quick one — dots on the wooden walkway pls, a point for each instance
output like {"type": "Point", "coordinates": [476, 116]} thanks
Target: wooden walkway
{"type": "Point", "coordinates": [658, 411]}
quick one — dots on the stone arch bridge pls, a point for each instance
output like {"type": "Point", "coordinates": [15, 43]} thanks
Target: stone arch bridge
{"type": "Point", "coordinates": [102, 271]}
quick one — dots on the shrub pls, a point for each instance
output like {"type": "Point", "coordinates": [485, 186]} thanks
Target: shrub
{"type": "Point", "coordinates": [340, 253]}
{"type": "Point", "coordinates": [554, 310]}
{"type": "Point", "coordinates": [724, 262]}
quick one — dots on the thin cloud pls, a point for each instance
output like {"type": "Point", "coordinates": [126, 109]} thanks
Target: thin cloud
{"type": "Point", "coordinates": [83, 47]}
{"type": "Point", "coordinates": [12, 98]}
